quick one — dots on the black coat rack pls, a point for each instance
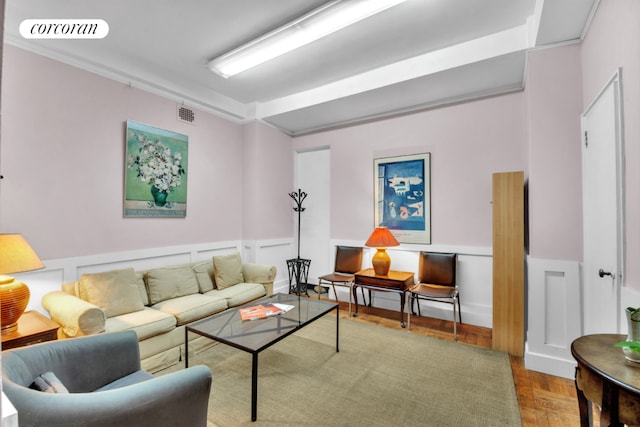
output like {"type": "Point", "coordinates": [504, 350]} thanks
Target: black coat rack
{"type": "Point", "coordinates": [298, 267]}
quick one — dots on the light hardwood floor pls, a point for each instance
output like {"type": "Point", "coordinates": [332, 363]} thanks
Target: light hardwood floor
{"type": "Point", "coordinates": [544, 400]}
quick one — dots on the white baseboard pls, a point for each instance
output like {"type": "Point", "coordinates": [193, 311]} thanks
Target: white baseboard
{"type": "Point", "coordinates": [550, 365]}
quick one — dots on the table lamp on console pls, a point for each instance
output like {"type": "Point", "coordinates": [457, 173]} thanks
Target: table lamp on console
{"type": "Point", "coordinates": [16, 256]}
{"type": "Point", "coordinates": [381, 239]}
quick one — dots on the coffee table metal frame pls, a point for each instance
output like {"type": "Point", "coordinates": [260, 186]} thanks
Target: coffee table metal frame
{"type": "Point", "coordinates": [253, 336]}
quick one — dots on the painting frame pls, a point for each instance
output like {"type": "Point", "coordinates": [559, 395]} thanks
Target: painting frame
{"type": "Point", "coordinates": [156, 165]}
{"type": "Point", "coordinates": [402, 196]}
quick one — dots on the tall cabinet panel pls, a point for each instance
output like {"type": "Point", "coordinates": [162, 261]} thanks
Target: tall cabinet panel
{"type": "Point", "coordinates": [508, 262]}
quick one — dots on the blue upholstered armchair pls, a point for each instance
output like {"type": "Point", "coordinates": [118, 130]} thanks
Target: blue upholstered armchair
{"type": "Point", "coordinates": [105, 384]}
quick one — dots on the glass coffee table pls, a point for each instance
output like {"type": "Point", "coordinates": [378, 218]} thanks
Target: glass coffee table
{"type": "Point", "coordinates": [253, 336]}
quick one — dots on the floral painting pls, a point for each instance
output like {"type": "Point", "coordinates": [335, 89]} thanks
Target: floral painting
{"type": "Point", "coordinates": [156, 172]}
{"type": "Point", "coordinates": [403, 197]}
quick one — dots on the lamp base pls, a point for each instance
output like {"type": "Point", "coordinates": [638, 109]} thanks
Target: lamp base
{"type": "Point", "coordinates": [381, 262]}
{"type": "Point", "coordinates": [14, 297]}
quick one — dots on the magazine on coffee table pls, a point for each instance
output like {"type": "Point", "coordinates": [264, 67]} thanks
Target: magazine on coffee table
{"type": "Point", "coordinates": [282, 307]}
{"type": "Point", "coordinates": [263, 311]}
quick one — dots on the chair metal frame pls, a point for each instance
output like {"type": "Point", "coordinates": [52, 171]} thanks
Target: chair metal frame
{"type": "Point", "coordinates": [437, 276]}
{"type": "Point", "coordinates": [348, 262]}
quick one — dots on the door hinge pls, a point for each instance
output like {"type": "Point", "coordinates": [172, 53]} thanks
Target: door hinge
{"type": "Point", "coordinates": [586, 139]}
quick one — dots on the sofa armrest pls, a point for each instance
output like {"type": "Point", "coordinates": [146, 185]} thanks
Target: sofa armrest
{"type": "Point", "coordinates": [76, 316]}
{"type": "Point", "coordinates": [260, 273]}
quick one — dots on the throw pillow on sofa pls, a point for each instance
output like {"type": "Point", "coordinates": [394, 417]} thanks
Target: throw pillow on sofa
{"type": "Point", "coordinates": [227, 270]}
{"type": "Point", "coordinates": [142, 288]}
{"type": "Point", "coordinates": [204, 274]}
{"type": "Point", "coordinates": [48, 383]}
{"type": "Point", "coordinates": [171, 282]}
{"type": "Point", "coordinates": [115, 291]}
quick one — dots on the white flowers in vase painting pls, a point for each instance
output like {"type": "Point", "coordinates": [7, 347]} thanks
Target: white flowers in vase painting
{"type": "Point", "coordinates": [155, 180]}
{"type": "Point", "coordinates": [156, 164]}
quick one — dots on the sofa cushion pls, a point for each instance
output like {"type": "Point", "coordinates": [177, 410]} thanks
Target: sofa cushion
{"type": "Point", "coordinates": [171, 282]}
{"type": "Point", "coordinates": [204, 275]}
{"type": "Point", "coordinates": [142, 288]}
{"type": "Point", "coordinates": [71, 288]}
{"type": "Point", "coordinates": [131, 379]}
{"type": "Point", "coordinates": [189, 308]}
{"type": "Point", "coordinates": [239, 294]}
{"type": "Point", "coordinates": [227, 270]}
{"type": "Point", "coordinates": [115, 291]}
{"type": "Point", "coordinates": [146, 323]}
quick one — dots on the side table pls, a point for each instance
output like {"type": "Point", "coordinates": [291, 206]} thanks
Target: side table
{"type": "Point", "coordinates": [604, 377]}
{"type": "Point", "coordinates": [395, 281]}
{"type": "Point", "coordinates": [33, 328]}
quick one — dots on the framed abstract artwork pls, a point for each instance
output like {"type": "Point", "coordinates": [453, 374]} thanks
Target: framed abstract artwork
{"type": "Point", "coordinates": [403, 197]}
{"type": "Point", "coordinates": [155, 172]}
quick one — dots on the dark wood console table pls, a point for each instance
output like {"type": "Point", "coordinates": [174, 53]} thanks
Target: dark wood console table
{"type": "Point", "coordinates": [396, 281]}
{"type": "Point", "coordinates": [604, 376]}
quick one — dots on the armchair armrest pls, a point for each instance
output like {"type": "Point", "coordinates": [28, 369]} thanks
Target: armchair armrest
{"type": "Point", "coordinates": [260, 273]}
{"type": "Point", "coordinates": [76, 316]}
{"type": "Point", "coordinates": [82, 364]}
{"type": "Point", "coordinates": [179, 398]}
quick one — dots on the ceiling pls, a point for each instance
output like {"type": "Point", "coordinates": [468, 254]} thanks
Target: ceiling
{"type": "Point", "coordinates": [419, 54]}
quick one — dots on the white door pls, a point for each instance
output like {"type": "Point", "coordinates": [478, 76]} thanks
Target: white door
{"type": "Point", "coordinates": [602, 211]}
{"type": "Point", "coordinates": [312, 175]}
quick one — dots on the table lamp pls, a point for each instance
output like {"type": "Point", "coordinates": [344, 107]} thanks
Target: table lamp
{"type": "Point", "coordinates": [381, 239]}
{"type": "Point", "coordinates": [16, 256]}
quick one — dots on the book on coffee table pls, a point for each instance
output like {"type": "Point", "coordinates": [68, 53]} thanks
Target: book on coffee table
{"type": "Point", "coordinates": [253, 312]}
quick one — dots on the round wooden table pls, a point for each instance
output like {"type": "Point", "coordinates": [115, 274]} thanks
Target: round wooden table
{"type": "Point", "coordinates": [606, 378]}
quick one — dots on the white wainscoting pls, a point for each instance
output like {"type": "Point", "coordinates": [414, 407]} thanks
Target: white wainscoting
{"type": "Point", "coordinates": [474, 271]}
{"type": "Point", "coordinates": [58, 271]}
{"type": "Point", "coordinates": [554, 315]}
{"type": "Point", "coordinates": [553, 304]}
{"type": "Point", "coordinates": [474, 276]}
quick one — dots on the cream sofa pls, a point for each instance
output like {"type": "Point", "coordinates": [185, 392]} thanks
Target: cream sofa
{"type": "Point", "coordinates": [157, 303]}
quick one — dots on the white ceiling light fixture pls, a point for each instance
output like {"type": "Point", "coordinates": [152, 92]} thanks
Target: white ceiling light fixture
{"type": "Point", "coordinates": [316, 24]}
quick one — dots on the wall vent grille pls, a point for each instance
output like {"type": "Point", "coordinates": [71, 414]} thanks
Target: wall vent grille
{"type": "Point", "coordinates": [186, 114]}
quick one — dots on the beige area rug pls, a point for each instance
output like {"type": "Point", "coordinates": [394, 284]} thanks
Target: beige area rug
{"type": "Point", "coordinates": [380, 377]}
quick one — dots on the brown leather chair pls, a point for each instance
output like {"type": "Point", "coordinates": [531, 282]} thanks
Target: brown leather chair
{"type": "Point", "coordinates": [348, 262]}
{"type": "Point", "coordinates": [437, 282]}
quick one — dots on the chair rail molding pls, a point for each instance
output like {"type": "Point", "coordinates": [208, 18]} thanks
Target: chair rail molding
{"type": "Point", "coordinates": [554, 319]}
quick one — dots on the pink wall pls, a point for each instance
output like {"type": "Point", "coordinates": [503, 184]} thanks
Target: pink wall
{"type": "Point", "coordinates": [268, 179]}
{"type": "Point", "coordinates": [468, 142]}
{"type": "Point", "coordinates": [62, 154]}
{"type": "Point", "coordinates": [554, 106]}
{"type": "Point", "coordinates": [62, 149]}
{"type": "Point", "coordinates": [613, 41]}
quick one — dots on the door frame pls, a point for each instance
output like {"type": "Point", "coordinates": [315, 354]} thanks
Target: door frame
{"type": "Point", "coordinates": [616, 82]}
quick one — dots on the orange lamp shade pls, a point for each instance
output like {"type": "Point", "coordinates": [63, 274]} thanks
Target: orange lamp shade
{"type": "Point", "coordinates": [16, 256]}
{"type": "Point", "coordinates": [381, 238]}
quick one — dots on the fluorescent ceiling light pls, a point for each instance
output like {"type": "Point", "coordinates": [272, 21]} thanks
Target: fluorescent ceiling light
{"type": "Point", "coordinates": [316, 24]}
